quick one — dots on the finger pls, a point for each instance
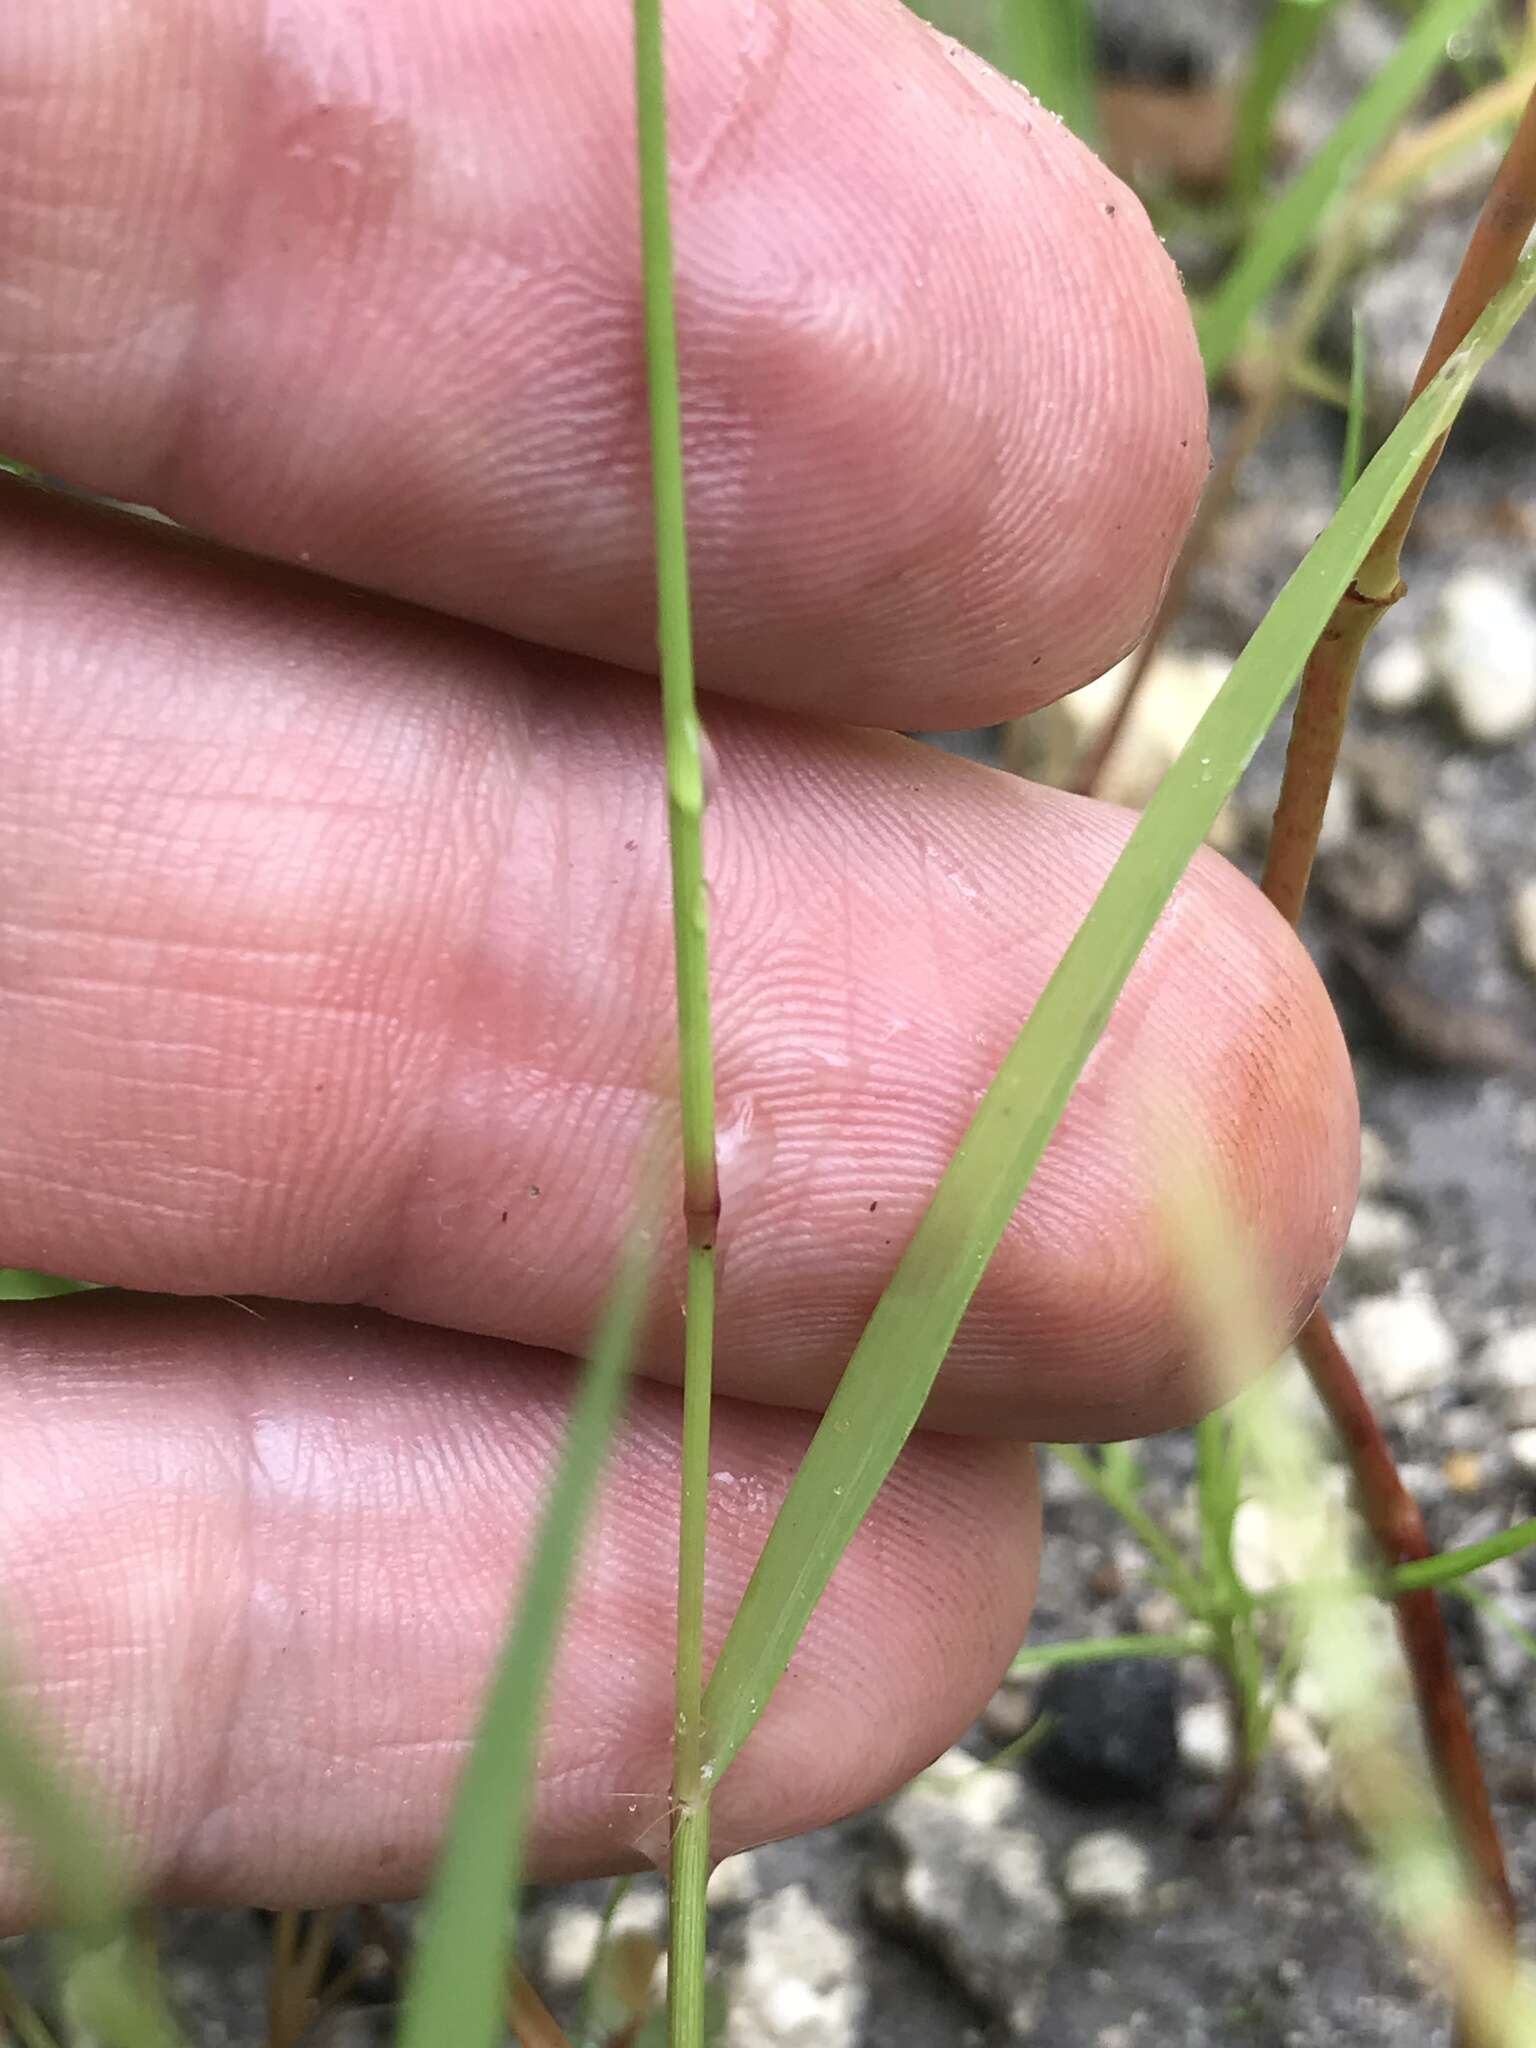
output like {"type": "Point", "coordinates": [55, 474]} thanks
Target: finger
{"type": "Point", "coordinates": [339, 967]}
{"type": "Point", "coordinates": [255, 1573]}
{"type": "Point", "coordinates": [946, 417]}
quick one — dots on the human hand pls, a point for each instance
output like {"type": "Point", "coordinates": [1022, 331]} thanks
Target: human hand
{"type": "Point", "coordinates": [337, 965]}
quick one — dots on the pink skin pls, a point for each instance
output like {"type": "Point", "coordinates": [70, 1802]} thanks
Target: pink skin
{"type": "Point", "coordinates": [335, 929]}
{"type": "Point", "coordinates": [355, 285]}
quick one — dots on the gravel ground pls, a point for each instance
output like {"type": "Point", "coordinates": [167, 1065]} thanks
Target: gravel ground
{"type": "Point", "coordinates": [1081, 1899]}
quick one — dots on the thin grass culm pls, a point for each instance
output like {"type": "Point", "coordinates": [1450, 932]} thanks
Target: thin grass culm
{"type": "Point", "coordinates": [690, 923]}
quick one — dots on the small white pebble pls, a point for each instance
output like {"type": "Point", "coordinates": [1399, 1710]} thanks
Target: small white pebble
{"type": "Point", "coordinates": [1341, 813]}
{"type": "Point", "coordinates": [1522, 1449]}
{"type": "Point", "coordinates": [1396, 677]}
{"type": "Point", "coordinates": [1508, 1369]}
{"type": "Point", "coordinates": [1108, 1873]}
{"type": "Point", "coordinates": [799, 1983]}
{"type": "Point", "coordinates": [1449, 850]}
{"type": "Point", "coordinates": [1400, 1345]}
{"type": "Point", "coordinates": [570, 1944]}
{"type": "Point", "coordinates": [1375, 1161]}
{"type": "Point", "coordinates": [1009, 1711]}
{"type": "Point", "coordinates": [1273, 1545]}
{"type": "Point", "coordinates": [1379, 1243]}
{"type": "Point", "coordinates": [1483, 650]}
{"type": "Point", "coordinates": [1205, 1739]}
{"type": "Point", "coordinates": [1301, 1749]}
{"type": "Point", "coordinates": [735, 1882]}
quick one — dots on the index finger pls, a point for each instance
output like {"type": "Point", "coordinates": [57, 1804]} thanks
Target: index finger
{"type": "Point", "coordinates": [359, 287]}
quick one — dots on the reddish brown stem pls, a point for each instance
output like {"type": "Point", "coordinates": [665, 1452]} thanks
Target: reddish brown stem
{"type": "Point", "coordinates": [1507, 216]}
{"type": "Point", "coordinates": [1394, 1520]}
{"type": "Point", "coordinates": [1317, 733]}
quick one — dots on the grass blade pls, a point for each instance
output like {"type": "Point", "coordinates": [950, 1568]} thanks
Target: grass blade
{"type": "Point", "coordinates": [17, 1284]}
{"type": "Point", "coordinates": [1354, 417]}
{"type": "Point", "coordinates": [1286, 227]}
{"type": "Point", "coordinates": [1049, 46]}
{"type": "Point", "coordinates": [459, 1972]}
{"type": "Point", "coordinates": [1189, 1642]}
{"type": "Point", "coordinates": [887, 1380]}
{"type": "Point", "coordinates": [1108, 1476]}
{"type": "Point", "coordinates": [1290, 30]}
{"type": "Point", "coordinates": [1446, 1566]}
{"type": "Point", "coordinates": [84, 1879]}
{"type": "Point", "coordinates": [111, 1983]}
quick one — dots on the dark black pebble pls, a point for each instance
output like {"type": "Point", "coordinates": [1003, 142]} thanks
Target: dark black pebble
{"type": "Point", "coordinates": [1112, 1731]}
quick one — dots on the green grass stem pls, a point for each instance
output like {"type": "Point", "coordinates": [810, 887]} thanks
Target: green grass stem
{"type": "Point", "coordinates": [686, 795]}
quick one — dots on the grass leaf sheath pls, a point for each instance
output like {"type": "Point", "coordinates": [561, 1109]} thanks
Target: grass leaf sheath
{"type": "Point", "coordinates": [686, 795]}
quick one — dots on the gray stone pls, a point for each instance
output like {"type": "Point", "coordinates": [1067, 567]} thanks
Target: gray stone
{"type": "Point", "coordinates": [736, 1881]}
{"type": "Point", "coordinates": [1107, 1875]}
{"type": "Point", "coordinates": [1380, 1242]}
{"type": "Point", "coordinates": [1483, 649]}
{"type": "Point", "coordinates": [1400, 1345]}
{"type": "Point", "coordinates": [1396, 677]}
{"type": "Point", "coordinates": [1372, 877]}
{"type": "Point", "coordinates": [1206, 1747]}
{"type": "Point", "coordinates": [1392, 775]}
{"type": "Point", "coordinates": [1507, 1370]}
{"type": "Point", "coordinates": [1449, 850]}
{"type": "Point", "coordinates": [962, 1871]}
{"type": "Point", "coordinates": [1377, 1169]}
{"type": "Point", "coordinates": [1010, 1710]}
{"type": "Point", "coordinates": [799, 1983]}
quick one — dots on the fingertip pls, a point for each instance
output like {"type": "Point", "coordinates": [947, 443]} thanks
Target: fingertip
{"type": "Point", "coordinates": [990, 421]}
{"type": "Point", "coordinates": [928, 1607]}
{"type": "Point", "coordinates": [1226, 1068]}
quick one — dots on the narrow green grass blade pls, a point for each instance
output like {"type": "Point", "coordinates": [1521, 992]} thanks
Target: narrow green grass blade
{"type": "Point", "coordinates": [85, 1880]}
{"type": "Point", "coordinates": [1049, 46]}
{"type": "Point", "coordinates": [1499, 1615]}
{"type": "Point", "coordinates": [86, 1884]}
{"type": "Point", "coordinates": [1291, 29]}
{"type": "Point", "coordinates": [1449, 1565]}
{"type": "Point", "coordinates": [1189, 1642]}
{"type": "Point", "coordinates": [882, 1391]}
{"type": "Point", "coordinates": [1354, 417]}
{"type": "Point", "coordinates": [17, 1284]}
{"type": "Point", "coordinates": [458, 1977]}
{"type": "Point", "coordinates": [21, 2018]}
{"type": "Point", "coordinates": [1285, 227]}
